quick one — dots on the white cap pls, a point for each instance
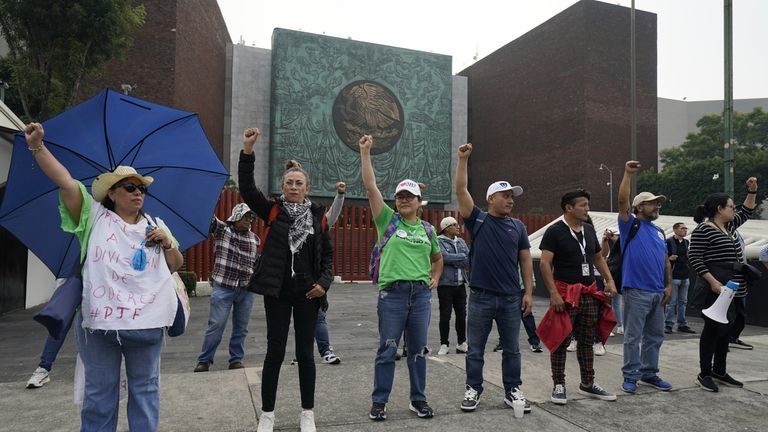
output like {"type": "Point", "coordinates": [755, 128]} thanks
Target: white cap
{"type": "Point", "coordinates": [410, 186]}
{"type": "Point", "coordinates": [446, 222]}
{"type": "Point", "coordinates": [501, 186]}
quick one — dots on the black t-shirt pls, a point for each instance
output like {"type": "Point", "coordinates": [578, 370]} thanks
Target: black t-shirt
{"type": "Point", "coordinates": [568, 258]}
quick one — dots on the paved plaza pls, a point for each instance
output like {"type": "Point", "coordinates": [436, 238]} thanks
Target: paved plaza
{"type": "Point", "coordinates": [222, 400]}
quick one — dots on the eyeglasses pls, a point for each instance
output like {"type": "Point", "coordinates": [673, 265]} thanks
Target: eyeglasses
{"type": "Point", "coordinates": [131, 188]}
{"type": "Point", "coordinates": [405, 197]}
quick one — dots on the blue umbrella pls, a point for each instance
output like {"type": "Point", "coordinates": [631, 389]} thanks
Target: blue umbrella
{"type": "Point", "coordinates": [97, 135]}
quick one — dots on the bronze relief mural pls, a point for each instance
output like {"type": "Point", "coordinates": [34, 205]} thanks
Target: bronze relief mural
{"type": "Point", "coordinates": [367, 107]}
{"type": "Point", "coordinates": [327, 92]}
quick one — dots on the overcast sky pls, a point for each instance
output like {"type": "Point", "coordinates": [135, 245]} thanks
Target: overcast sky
{"type": "Point", "coordinates": [690, 33]}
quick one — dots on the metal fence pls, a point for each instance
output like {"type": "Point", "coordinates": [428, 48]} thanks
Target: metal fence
{"type": "Point", "coordinates": [353, 237]}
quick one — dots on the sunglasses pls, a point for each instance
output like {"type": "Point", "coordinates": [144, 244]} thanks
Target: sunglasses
{"type": "Point", "coordinates": [131, 188]}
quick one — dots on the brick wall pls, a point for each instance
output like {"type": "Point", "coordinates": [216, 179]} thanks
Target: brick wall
{"type": "Point", "coordinates": [178, 58]}
{"type": "Point", "coordinates": [548, 108]}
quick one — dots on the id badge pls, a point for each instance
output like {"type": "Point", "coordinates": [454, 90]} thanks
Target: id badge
{"type": "Point", "coordinates": [585, 270]}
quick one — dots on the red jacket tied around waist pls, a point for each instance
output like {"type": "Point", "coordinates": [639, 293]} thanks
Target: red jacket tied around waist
{"type": "Point", "coordinates": [556, 326]}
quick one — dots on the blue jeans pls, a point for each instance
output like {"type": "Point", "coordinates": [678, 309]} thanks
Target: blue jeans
{"type": "Point", "coordinates": [403, 306]}
{"type": "Point", "coordinates": [322, 337]}
{"type": "Point", "coordinates": [529, 322]}
{"type": "Point", "coordinates": [102, 352]}
{"type": "Point", "coordinates": [643, 333]}
{"type": "Point", "coordinates": [616, 305]}
{"type": "Point", "coordinates": [52, 347]}
{"type": "Point", "coordinates": [484, 308]}
{"type": "Point", "coordinates": [677, 302]}
{"type": "Point", "coordinates": [240, 301]}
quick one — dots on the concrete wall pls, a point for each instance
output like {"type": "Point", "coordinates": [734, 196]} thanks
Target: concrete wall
{"type": "Point", "coordinates": [458, 126]}
{"type": "Point", "coordinates": [249, 102]}
{"type": "Point", "coordinates": [678, 118]}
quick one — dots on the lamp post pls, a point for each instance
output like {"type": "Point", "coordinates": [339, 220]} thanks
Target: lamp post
{"type": "Point", "coordinates": [610, 183]}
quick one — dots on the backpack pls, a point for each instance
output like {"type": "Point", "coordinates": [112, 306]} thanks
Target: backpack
{"type": "Point", "coordinates": [373, 264]}
{"type": "Point", "coordinates": [617, 254]}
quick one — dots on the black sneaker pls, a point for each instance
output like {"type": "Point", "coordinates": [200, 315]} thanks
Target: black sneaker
{"type": "Point", "coordinates": [686, 329]}
{"type": "Point", "coordinates": [536, 348]}
{"type": "Point", "coordinates": [727, 380]}
{"type": "Point", "coordinates": [668, 329]}
{"type": "Point", "coordinates": [706, 383]}
{"type": "Point", "coordinates": [740, 344]}
{"type": "Point", "coordinates": [236, 365]}
{"type": "Point", "coordinates": [471, 399]}
{"type": "Point", "coordinates": [597, 392]}
{"type": "Point", "coordinates": [516, 394]}
{"type": "Point", "coordinates": [558, 395]}
{"type": "Point", "coordinates": [378, 411]}
{"type": "Point", "coordinates": [422, 409]}
{"type": "Point", "coordinates": [202, 367]}
{"type": "Point", "coordinates": [497, 348]}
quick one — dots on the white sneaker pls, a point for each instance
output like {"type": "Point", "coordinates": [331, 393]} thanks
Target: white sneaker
{"type": "Point", "coordinates": [330, 357]}
{"type": "Point", "coordinates": [443, 350]}
{"type": "Point", "coordinates": [267, 422]}
{"type": "Point", "coordinates": [39, 377]}
{"type": "Point", "coordinates": [612, 334]}
{"type": "Point", "coordinates": [599, 349]}
{"type": "Point", "coordinates": [462, 349]}
{"type": "Point", "coordinates": [619, 329]}
{"type": "Point", "coordinates": [571, 346]}
{"type": "Point", "coordinates": [307, 421]}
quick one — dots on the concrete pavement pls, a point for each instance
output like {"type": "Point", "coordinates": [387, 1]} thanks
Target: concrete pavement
{"type": "Point", "coordinates": [224, 400]}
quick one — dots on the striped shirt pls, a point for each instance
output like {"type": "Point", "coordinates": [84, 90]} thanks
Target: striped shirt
{"type": "Point", "coordinates": [711, 245]}
{"type": "Point", "coordinates": [234, 254]}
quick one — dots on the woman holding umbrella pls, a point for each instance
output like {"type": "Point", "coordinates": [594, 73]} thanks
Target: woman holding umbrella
{"type": "Point", "coordinates": [129, 296]}
{"type": "Point", "coordinates": [293, 274]}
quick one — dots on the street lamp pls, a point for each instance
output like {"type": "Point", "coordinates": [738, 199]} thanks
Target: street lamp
{"type": "Point", "coordinates": [610, 182]}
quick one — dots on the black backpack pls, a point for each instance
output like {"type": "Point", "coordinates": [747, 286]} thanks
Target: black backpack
{"type": "Point", "coordinates": [617, 253]}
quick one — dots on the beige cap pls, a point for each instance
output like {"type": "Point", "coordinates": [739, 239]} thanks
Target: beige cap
{"type": "Point", "coordinates": [647, 197]}
{"type": "Point", "coordinates": [446, 222]}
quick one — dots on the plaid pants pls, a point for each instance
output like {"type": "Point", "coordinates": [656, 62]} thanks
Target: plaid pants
{"type": "Point", "coordinates": [584, 319]}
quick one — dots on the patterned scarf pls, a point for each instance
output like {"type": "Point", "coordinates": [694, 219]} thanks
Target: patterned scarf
{"type": "Point", "coordinates": [301, 226]}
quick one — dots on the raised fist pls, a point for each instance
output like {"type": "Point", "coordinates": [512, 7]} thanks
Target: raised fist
{"type": "Point", "coordinates": [465, 150]}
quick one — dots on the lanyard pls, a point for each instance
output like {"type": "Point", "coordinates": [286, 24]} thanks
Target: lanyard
{"type": "Point", "coordinates": [582, 243]}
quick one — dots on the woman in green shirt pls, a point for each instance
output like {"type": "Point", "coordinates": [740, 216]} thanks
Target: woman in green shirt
{"type": "Point", "coordinates": [410, 265]}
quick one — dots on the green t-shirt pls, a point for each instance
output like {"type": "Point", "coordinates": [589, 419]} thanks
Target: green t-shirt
{"type": "Point", "coordinates": [406, 256]}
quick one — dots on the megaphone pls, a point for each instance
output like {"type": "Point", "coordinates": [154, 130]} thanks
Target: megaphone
{"type": "Point", "coordinates": [719, 309]}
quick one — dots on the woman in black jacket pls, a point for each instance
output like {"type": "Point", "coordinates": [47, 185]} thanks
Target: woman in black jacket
{"type": "Point", "coordinates": [293, 274]}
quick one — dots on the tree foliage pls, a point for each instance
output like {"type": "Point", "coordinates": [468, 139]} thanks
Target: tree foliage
{"type": "Point", "coordinates": [694, 169]}
{"type": "Point", "coordinates": [55, 44]}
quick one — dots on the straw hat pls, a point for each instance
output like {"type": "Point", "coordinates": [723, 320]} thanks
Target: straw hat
{"type": "Point", "coordinates": [105, 181]}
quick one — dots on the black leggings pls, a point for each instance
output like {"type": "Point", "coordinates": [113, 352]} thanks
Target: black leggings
{"type": "Point", "coordinates": [278, 313]}
{"type": "Point", "coordinates": [452, 298]}
{"type": "Point", "coordinates": [713, 347]}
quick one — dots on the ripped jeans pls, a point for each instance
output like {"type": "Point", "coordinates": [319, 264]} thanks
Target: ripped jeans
{"type": "Point", "coordinates": [403, 306]}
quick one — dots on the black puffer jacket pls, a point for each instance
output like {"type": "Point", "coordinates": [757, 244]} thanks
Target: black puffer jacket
{"type": "Point", "coordinates": [270, 267]}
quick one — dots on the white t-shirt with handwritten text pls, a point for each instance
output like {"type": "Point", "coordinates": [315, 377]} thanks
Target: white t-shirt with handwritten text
{"type": "Point", "coordinates": [115, 296]}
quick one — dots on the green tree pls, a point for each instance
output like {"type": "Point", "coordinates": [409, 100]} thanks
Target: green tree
{"type": "Point", "coordinates": [694, 169]}
{"type": "Point", "coordinates": [54, 44]}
